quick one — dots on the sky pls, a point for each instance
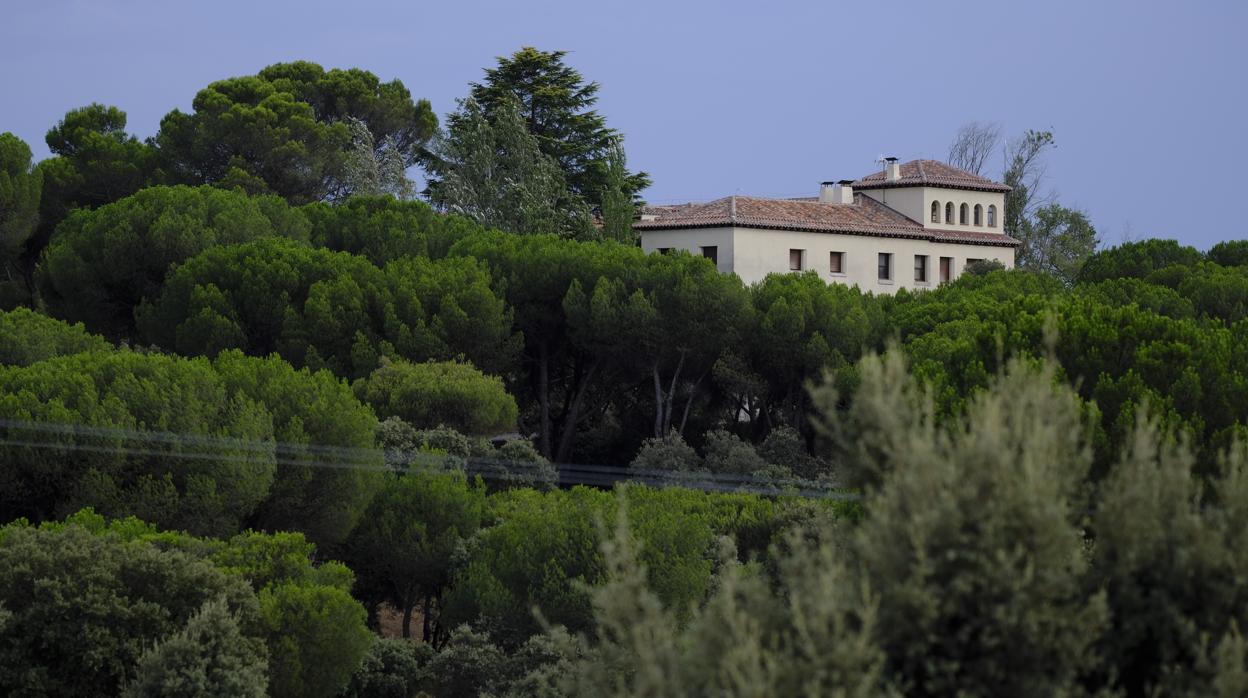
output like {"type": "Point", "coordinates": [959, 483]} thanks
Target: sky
{"type": "Point", "coordinates": [1147, 100]}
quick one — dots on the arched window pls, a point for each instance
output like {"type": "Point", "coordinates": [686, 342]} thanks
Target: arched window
{"type": "Point", "coordinates": [992, 216]}
{"type": "Point", "coordinates": [962, 214]}
{"type": "Point", "coordinates": [935, 211]}
{"type": "Point", "coordinates": [979, 214]}
{"type": "Point", "coordinates": [949, 213]}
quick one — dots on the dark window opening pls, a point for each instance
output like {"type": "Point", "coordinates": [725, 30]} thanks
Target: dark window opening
{"type": "Point", "coordinates": [795, 260]}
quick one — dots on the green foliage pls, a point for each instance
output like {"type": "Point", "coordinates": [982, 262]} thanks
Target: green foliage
{"type": "Point", "coordinates": [969, 573]}
{"type": "Point", "coordinates": [522, 466]}
{"type": "Point", "coordinates": [670, 453]}
{"type": "Point", "coordinates": [976, 528]}
{"type": "Point", "coordinates": [317, 638]}
{"type": "Point", "coordinates": [20, 188]}
{"type": "Point", "coordinates": [95, 162]}
{"type": "Point", "coordinates": [810, 636]}
{"type": "Point", "coordinates": [285, 131]}
{"type": "Point", "coordinates": [492, 170]}
{"type": "Point", "coordinates": [822, 326]}
{"type": "Point", "coordinates": [785, 448]}
{"type": "Point", "coordinates": [328, 474]}
{"type": "Point", "coordinates": [371, 168]}
{"type": "Point", "coordinates": [232, 421]}
{"type": "Point", "coordinates": [1023, 172]}
{"type": "Point", "coordinates": [616, 199]}
{"type": "Point", "coordinates": [337, 95]}
{"type": "Point", "coordinates": [405, 548]}
{"type": "Point", "coordinates": [384, 229]}
{"type": "Point", "coordinates": [557, 105]}
{"type": "Point", "coordinates": [103, 263]}
{"type": "Point", "coordinates": [543, 552]}
{"type": "Point", "coordinates": [164, 481]}
{"type": "Point", "coordinates": [1056, 240]}
{"type": "Point", "coordinates": [27, 337]}
{"type": "Point", "coordinates": [105, 163]}
{"type": "Point", "coordinates": [312, 629]}
{"type": "Point", "coordinates": [1231, 253]}
{"type": "Point", "coordinates": [1137, 260]}
{"type": "Point", "coordinates": [983, 267]}
{"type": "Point", "coordinates": [728, 454]}
{"type": "Point", "coordinates": [472, 665]}
{"type": "Point", "coordinates": [537, 274]}
{"type": "Point", "coordinates": [432, 393]}
{"type": "Point", "coordinates": [542, 548]}
{"type": "Point", "coordinates": [324, 309]}
{"type": "Point", "coordinates": [391, 669]}
{"type": "Point", "coordinates": [83, 607]}
{"type": "Point", "coordinates": [1165, 542]}
{"type": "Point", "coordinates": [208, 658]}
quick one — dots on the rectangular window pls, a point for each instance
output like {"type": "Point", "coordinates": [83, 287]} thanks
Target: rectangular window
{"type": "Point", "coordinates": [836, 263]}
{"type": "Point", "coordinates": [664, 250]}
{"type": "Point", "coordinates": [946, 269]}
{"type": "Point", "coordinates": [886, 267]}
{"type": "Point", "coordinates": [795, 260]}
{"type": "Point", "coordinates": [970, 261]}
{"type": "Point", "coordinates": [920, 268]}
{"type": "Point", "coordinates": [711, 252]}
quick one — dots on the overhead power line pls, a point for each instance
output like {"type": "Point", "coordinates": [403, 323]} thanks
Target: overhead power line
{"type": "Point", "coordinates": [81, 438]}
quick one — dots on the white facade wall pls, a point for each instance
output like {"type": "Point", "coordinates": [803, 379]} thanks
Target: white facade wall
{"type": "Point", "coordinates": [916, 204]}
{"type": "Point", "coordinates": [753, 253]}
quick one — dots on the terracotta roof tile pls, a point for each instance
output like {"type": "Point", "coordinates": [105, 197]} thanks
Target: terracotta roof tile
{"type": "Point", "coordinates": [865, 216]}
{"type": "Point", "coordinates": [932, 173]}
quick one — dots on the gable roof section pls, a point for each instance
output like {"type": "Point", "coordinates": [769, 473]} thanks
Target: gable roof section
{"type": "Point", "coordinates": [930, 173]}
{"type": "Point", "coordinates": [865, 216]}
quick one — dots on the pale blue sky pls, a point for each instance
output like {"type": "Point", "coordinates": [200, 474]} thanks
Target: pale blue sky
{"type": "Point", "coordinates": [1147, 99]}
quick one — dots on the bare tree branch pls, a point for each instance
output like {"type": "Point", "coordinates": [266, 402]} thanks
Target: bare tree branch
{"type": "Point", "coordinates": [973, 145]}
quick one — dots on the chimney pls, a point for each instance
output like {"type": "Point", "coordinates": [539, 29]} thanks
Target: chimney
{"type": "Point", "coordinates": [892, 170]}
{"type": "Point", "coordinates": [836, 192]}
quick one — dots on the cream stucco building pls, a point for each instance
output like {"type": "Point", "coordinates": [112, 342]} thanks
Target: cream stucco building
{"type": "Point", "coordinates": [912, 225]}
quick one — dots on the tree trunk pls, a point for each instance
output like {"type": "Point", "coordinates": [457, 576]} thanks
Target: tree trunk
{"type": "Point", "coordinates": [407, 618]}
{"type": "Point", "coordinates": [668, 409]}
{"type": "Point", "coordinates": [574, 414]}
{"type": "Point", "coordinates": [427, 635]}
{"type": "Point", "coordinates": [658, 405]}
{"type": "Point", "coordinates": [543, 396]}
{"type": "Point", "coordinates": [693, 390]}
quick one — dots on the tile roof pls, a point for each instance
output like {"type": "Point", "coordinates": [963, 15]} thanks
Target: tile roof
{"type": "Point", "coordinates": [931, 173]}
{"type": "Point", "coordinates": [865, 216]}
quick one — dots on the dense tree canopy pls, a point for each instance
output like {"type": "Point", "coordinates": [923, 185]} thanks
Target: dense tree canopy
{"type": "Point", "coordinates": [82, 608]}
{"type": "Point", "coordinates": [27, 337]}
{"type": "Point", "coordinates": [94, 394]}
{"type": "Point", "coordinates": [238, 452]}
{"type": "Point", "coordinates": [95, 162]}
{"type": "Point", "coordinates": [490, 168]}
{"type": "Point", "coordinates": [100, 605]}
{"type": "Point", "coordinates": [384, 229]}
{"type": "Point", "coordinates": [405, 549]}
{"type": "Point", "coordinates": [103, 263]}
{"type": "Point", "coordinates": [1056, 240]}
{"type": "Point", "coordinates": [285, 131]}
{"type": "Point", "coordinates": [557, 106]}
{"type": "Point", "coordinates": [20, 189]}
{"type": "Point", "coordinates": [436, 393]}
{"type": "Point", "coordinates": [325, 309]}
{"type": "Point", "coordinates": [208, 658]}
